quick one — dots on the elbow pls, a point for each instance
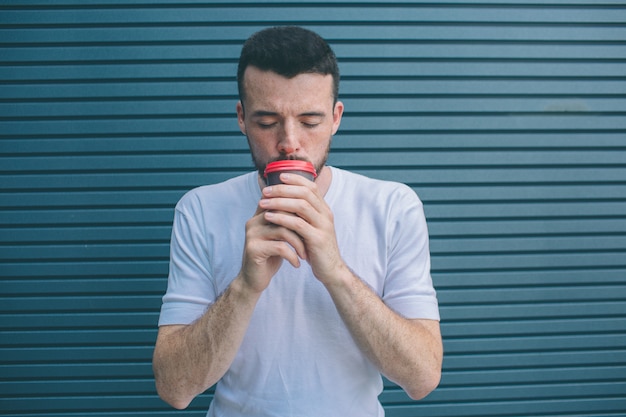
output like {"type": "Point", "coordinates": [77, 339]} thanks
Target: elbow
{"type": "Point", "coordinates": [179, 404]}
{"type": "Point", "coordinates": [170, 397]}
{"type": "Point", "coordinates": [424, 387]}
{"type": "Point", "coordinates": [172, 379]}
{"type": "Point", "coordinates": [166, 389]}
{"type": "Point", "coordinates": [422, 390]}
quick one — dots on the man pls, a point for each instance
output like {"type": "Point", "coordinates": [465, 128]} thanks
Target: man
{"type": "Point", "coordinates": [354, 299]}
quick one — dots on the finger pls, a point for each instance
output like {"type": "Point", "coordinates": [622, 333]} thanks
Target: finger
{"type": "Point", "coordinates": [293, 186]}
{"type": "Point", "coordinates": [262, 228]}
{"type": "Point", "coordinates": [287, 178]}
{"type": "Point", "coordinates": [280, 233]}
{"type": "Point", "coordinates": [286, 252]}
{"type": "Point", "coordinates": [295, 207]}
{"type": "Point", "coordinates": [298, 188]}
{"type": "Point", "coordinates": [268, 249]}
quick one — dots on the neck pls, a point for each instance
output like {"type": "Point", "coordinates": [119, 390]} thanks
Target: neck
{"type": "Point", "coordinates": [323, 180]}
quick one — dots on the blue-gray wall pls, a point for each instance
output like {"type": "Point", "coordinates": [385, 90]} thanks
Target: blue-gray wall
{"type": "Point", "coordinates": [507, 117]}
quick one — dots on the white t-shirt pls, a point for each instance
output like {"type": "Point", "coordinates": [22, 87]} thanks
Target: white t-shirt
{"type": "Point", "coordinates": [297, 357]}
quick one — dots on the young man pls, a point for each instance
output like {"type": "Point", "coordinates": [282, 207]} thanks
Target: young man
{"type": "Point", "coordinates": [294, 298]}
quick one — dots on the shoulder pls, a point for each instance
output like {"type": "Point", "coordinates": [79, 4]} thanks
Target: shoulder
{"type": "Point", "coordinates": [365, 188]}
{"type": "Point", "coordinates": [231, 193]}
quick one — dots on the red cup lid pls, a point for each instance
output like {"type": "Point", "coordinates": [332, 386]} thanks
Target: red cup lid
{"type": "Point", "coordinates": [290, 165]}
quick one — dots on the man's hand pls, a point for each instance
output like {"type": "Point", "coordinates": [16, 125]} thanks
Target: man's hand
{"type": "Point", "coordinates": [266, 245]}
{"type": "Point", "coordinates": [297, 208]}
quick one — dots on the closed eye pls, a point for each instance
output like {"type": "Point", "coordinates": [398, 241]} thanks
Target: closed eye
{"type": "Point", "coordinates": [312, 120]}
{"type": "Point", "coordinates": [264, 119]}
{"type": "Point", "coordinates": [266, 125]}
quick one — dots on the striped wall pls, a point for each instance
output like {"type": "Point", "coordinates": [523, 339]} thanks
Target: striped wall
{"type": "Point", "coordinates": [506, 117]}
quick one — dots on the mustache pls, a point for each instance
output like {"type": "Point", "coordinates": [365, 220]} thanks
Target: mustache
{"type": "Point", "coordinates": [289, 158]}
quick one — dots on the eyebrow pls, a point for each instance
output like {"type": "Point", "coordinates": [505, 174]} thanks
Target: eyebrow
{"type": "Point", "coordinates": [262, 113]}
{"type": "Point", "coordinates": [314, 114]}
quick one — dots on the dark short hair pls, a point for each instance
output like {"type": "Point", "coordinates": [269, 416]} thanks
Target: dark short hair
{"type": "Point", "coordinates": [288, 51]}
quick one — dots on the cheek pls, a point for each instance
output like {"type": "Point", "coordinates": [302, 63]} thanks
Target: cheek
{"type": "Point", "coordinates": [261, 144]}
{"type": "Point", "coordinates": [261, 138]}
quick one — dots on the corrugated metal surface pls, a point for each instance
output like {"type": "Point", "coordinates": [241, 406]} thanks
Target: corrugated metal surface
{"type": "Point", "coordinates": [506, 117]}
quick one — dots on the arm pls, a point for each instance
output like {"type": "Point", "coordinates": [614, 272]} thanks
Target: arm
{"type": "Point", "coordinates": [188, 359]}
{"type": "Point", "coordinates": [408, 352]}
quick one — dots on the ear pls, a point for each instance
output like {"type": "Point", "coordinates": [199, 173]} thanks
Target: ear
{"type": "Point", "coordinates": [240, 118]}
{"type": "Point", "coordinates": [337, 114]}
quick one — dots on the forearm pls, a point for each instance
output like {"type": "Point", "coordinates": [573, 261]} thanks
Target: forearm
{"type": "Point", "coordinates": [408, 352]}
{"type": "Point", "coordinates": [190, 359]}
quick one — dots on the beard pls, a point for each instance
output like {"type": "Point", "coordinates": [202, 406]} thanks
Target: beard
{"type": "Point", "coordinates": [260, 165]}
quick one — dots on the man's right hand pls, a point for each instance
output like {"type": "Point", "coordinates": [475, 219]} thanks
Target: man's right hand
{"type": "Point", "coordinates": [265, 247]}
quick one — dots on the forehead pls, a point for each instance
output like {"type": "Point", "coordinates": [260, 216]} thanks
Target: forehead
{"type": "Point", "coordinates": [269, 89]}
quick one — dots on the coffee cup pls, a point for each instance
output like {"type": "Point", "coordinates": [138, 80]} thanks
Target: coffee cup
{"type": "Point", "coordinates": [274, 169]}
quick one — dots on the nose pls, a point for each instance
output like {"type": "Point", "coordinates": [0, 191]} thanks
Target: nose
{"type": "Point", "coordinates": [288, 143]}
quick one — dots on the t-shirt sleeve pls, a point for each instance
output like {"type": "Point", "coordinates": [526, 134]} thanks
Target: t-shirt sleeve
{"type": "Point", "coordinates": [190, 288]}
{"type": "Point", "coordinates": [408, 286]}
